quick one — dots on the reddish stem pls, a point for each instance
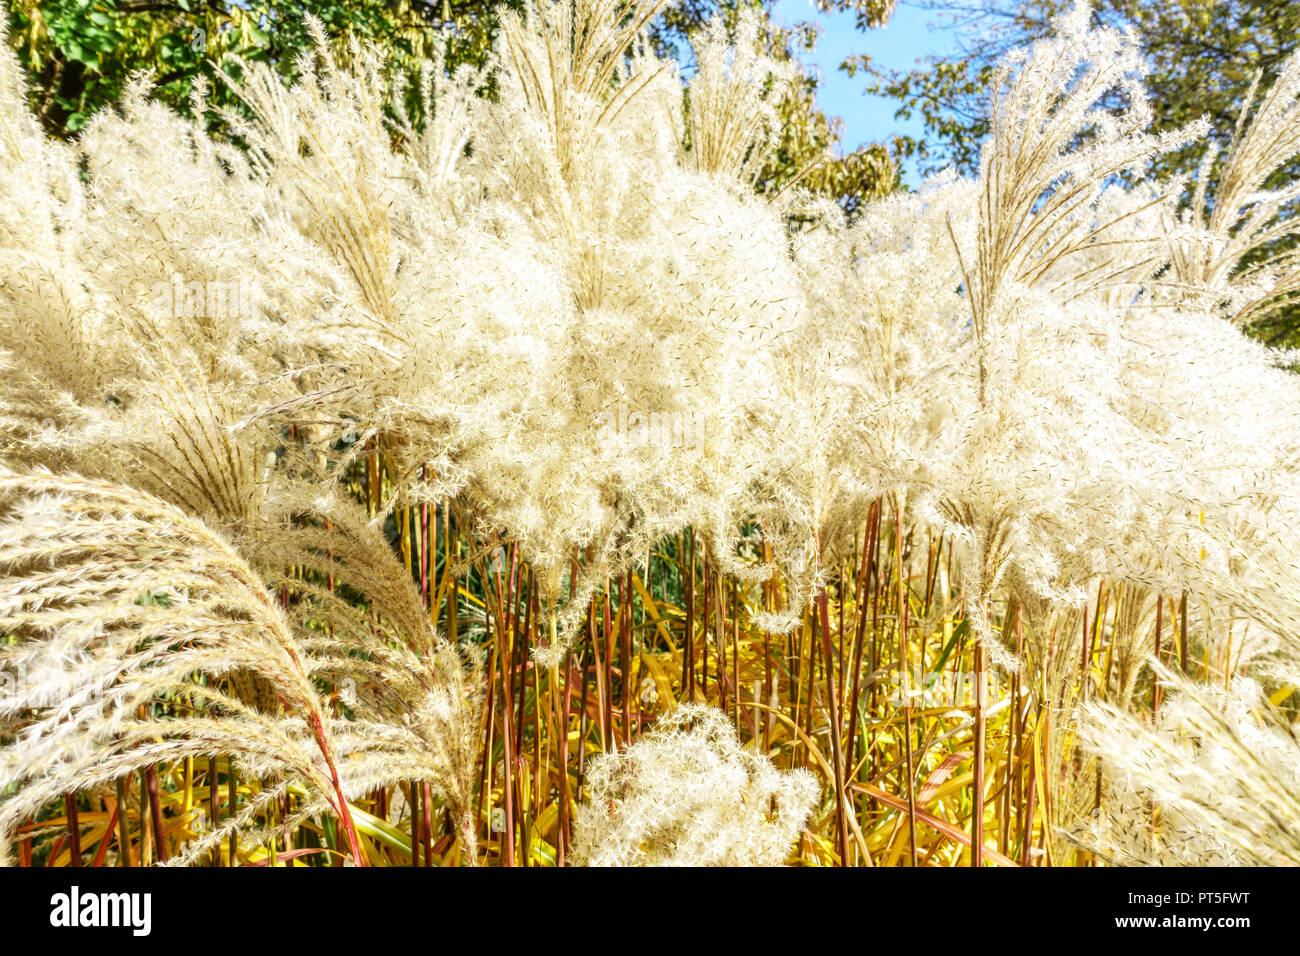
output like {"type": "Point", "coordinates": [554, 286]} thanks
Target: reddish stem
{"type": "Point", "coordinates": [345, 815]}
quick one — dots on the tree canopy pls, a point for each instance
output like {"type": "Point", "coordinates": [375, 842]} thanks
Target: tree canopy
{"type": "Point", "coordinates": [80, 54]}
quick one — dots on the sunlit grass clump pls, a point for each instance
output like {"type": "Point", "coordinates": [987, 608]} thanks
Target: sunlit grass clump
{"type": "Point", "coordinates": [524, 482]}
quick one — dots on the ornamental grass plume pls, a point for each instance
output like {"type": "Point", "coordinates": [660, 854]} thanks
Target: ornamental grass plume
{"type": "Point", "coordinates": [1218, 772]}
{"type": "Point", "coordinates": [1234, 259]}
{"type": "Point", "coordinates": [146, 376]}
{"type": "Point", "coordinates": [688, 793]}
{"type": "Point", "coordinates": [413, 703]}
{"type": "Point", "coordinates": [674, 275]}
{"type": "Point", "coordinates": [1094, 426]}
{"type": "Point", "coordinates": [1079, 414]}
{"type": "Point", "coordinates": [541, 298]}
{"type": "Point", "coordinates": [116, 600]}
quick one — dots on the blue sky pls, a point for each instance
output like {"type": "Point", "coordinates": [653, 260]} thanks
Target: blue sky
{"type": "Point", "coordinates": [907, 39]}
